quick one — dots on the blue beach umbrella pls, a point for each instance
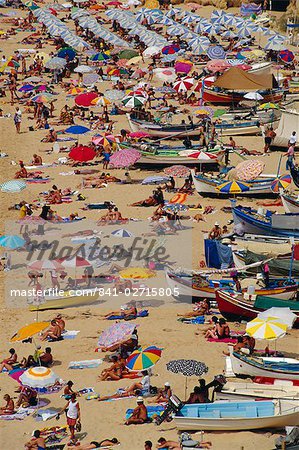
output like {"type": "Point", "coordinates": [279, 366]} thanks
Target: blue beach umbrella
{"type": "Point", "coordinates": [216, 52]}
{"type": "Point", "coordinates": [26, 88]}
{"type": "Point", "coordinates": [67, 51]}
{"type": "Point", "coordinates": [11, 242]}
{"type": "Point", "coordinates": [77, 129]}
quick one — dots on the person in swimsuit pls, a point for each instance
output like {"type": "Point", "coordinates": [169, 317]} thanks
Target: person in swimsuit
{"type": "Point", "coordinates": [9, 408]}
{"type": "Point", "coordinates": [139, 415]}
{"type": "Point", "coordinates": [95, 444]}
{"type": "Point", "coordinates": [114, 372]}
{"type": "Point", "coordinates": [8, 363]}
{"type": "Point", "coordinates": [37, 442]}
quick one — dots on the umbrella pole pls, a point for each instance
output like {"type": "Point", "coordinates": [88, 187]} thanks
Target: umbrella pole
{"type": "Point", "coordinates": [186, 387]}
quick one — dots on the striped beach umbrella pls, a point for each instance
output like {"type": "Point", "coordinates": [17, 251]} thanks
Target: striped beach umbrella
{"type": "Point", "coordinates": [233, 187]}
{"type": "Point", "coordinates": [143, 359]}
{"type": "Point", "coordinates": [101, 56]}
{"type": "Point", "coordinates": [268, 105]}
{"type": "Point", "coordinates": [45, 264]}
{"type": "Point", "coordinates": [286, 56]}
{"type": "Point", "coordinates": [122, 233]}
{"type": "Point", "coordinates": [270, 328]}
{"type": "Point", "coordinates": [206, 156]}
{"type": "Point", "coordinates": [42, 98]}
{"type": "Point", "coordinates": [11, 242]}
{"type": "Point", "coordinates": [131, 101]}
{"type": "Point", "coordinates": [281, 182]}
{"type": "Point", "coordinates": [38, 377]}
{"type": "Point", "coordinates": [216, 52]}
{"type": "Point", "coordinates": [175, 208]}
{"type": "Point", "coordinates": [184, 84]}
{"type": "Point", "coordinates": [13, 186]}
{"type": "Point", "coordinates": [75, 261]}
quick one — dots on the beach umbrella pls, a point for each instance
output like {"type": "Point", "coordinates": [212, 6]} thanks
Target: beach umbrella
{"type": "Point", "coordinates": [216, 52]}
{"type": "Point", "coordinates": [34, 79]}
{"type": "Point", "coordinates": [82, 153]}
{"type": "Point", "coordinates": [67, 51]}
{"type": "Point", "coordinates": [74, 262]}
{"type": "Point", "coordinates": [179, 171]}
{"type": "Point", "coordinates": [275, 45]}
{"type": "Point", "coordinates": [13, 186]}
{"type": "Point", "coordinates": [166, 90]}
{"type": "Point", "coordinates": [188, 368]}
{"type": "Point", "coordinates": [249, 170]}
{"type": "Point", "coordinates": [179, 198]}
{"type": "Point", "coordinates": [132, 101]}
{"type": "Point", "coordinates": [42, 98]}
{"type": "Point", "coordinates": [29, 330]}
{"type": "Point", "coordinates": [38, 377]}
{"type": "Point", "coordinates": [136, 273]}
{"type": "Point", "coordinates": [90, 79]}
{"type": "Point", "coordinates": [55, 63]}
{"type": "Point", "coordinates": [122, 233]}
{"type": "Point", "coordinates": [182, 66]}
{"type": "Point", "coordinates": [26, 88]}
{"type": "Point", "coordinates": [165, 74]}
{"type": "Point", "coordinates": [268, 105]}
{"type": "Point", "coordinates": [233, 187]}
{"type": "Point", "coordinates": [205, 111]}
{"type": "Point", "coordinates": [116, 333]}
{"type": "Point", "coordinates": [143, 359]}
{"type": "Point", "coordinates": [217, 65]}
{"type": "Point", "coordinates": [286, 56]}
{"type": "Point", "coordinates": [100, 57]}
{"type": "Point", "coordinates": [155, 179]}
{"type": "Point", "coordinates": [100, 101]}
{"type": "Point", "coordinates": [219, 112]}
{"type": "Point", "coordinates": [253, 96]}
{"type": "Point", "coordinates": [282, 314]}
{"type": "Point", "coordinates": [45, 264]}
{"type": "Point", "coordinates": [127, 54]}
{"type": "Point", "coordinates": [124, 158]}
{"type": "Point", "coordinates": [114, 94]}
{"type": "Point", "coordinates": [170, 49]}
{"type": "Point", "coordinates": [175, 208]}
{"type": "Point", "coordinates": [281, 182]}
{"type": "Point", "coordinates": [103, 140]}
{"type": "Point", "coordinates": [11, 241]}
{"type": "Point", "coordinates": [77, 129]}
{"type": "Point", "coordinates": [85, 99]}
{"type": "Point", "coordinates": [83, 69]}
{"type": "Point", "coordinates": [75, 91]}
{"type": "Point", "coordinates": [206, 156]}
{"type": "Point", "coordinates": [183, 84]}
{"type": "Point", "coordinates": [151, 50]}
{"type": "Point", "coordinates": [270, 328]}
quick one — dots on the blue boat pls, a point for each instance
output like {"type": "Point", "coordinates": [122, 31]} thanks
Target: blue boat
{"type": "Point", "coordinates": [267, 223]}
{"type": "Point", "coordinates": [242, 415]}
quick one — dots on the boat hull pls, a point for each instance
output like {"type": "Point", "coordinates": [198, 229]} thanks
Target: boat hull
{"type": "Point", "coordinates": [68, 301]}
{"type": "Point", "coordinates": [290, 204]}
{"type": "Point", "coordinates": [221, 98]}
{"type": "Point", "coordinates": [157, 131]}
{"type": "Point", "coordinates": [149, 162]}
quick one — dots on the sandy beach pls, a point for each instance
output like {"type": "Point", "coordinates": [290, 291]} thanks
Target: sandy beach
{"type": "Point", "coordinates": [160, 328]}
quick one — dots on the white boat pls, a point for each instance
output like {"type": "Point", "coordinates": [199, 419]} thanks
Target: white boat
{"type": "Point", "coordinates": [290, 203]}
{"type": "Point", "coordinates": [207, 186]}
{"type": "Point", "coordinates": [260, 67]}
{"type": "Point", "coordinates": [243, 391]}
{"type": "Point", "coordinates": [271, 367]}
{"type": "Point", "coordinates": [243, 415]}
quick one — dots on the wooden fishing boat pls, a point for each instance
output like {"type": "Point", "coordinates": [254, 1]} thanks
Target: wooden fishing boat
{"type": "Point", "coordinates": [244, 415]}
{"type": "Point", "coordinates": [244, 391]}
{"type": "Point", "coordinates": [236, 308]}
{"type": "Point", "coordinates": [290, 203]}
{"type": "Point", "coordinates": [268, 223]}
{"type": "Point", "coordinates": [85, 297]}
{"type": "Point", "coordinates": [206, 187]}
{"type": "Point", "coordinates": [239, 128]}
{"type": "Point", "coordinates": [160, 162]}
{"type": "Point", "coordinates": [233, 98]}
{"type": "Point", "coordinates": [260, 67]}
{"type": "Point", "coordinates": [156, 130]}
{"type": "Point", "coordinates": [279, 368]}
{"type": "Point", "coordinates": [197, 286]}
{"type": "Point", "coordinates": [295, 176]}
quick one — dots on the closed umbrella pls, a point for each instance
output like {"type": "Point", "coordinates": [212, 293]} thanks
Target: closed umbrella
{"type": "Point", "coordinates": [13, 186]}
{"type": "Point", "coordinates": [82, 153]}
{"type": "Point", "coordinates": [11, 242]}
{"type": "Point", "coordinates": [143, 359]}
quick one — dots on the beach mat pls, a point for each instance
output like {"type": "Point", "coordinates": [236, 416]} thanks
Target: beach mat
{"type": "Point", "coordinates": [86, 364]}
{"type": "Point", "coordinates": [37, 180]}
{"type": "Point", "coordinates": [143, 313]}
{"type": "Point", "coordinates": [223, 341]}
{"type": "Point", "coordinates": [194, 321]}
{"type": "Point", "coordinates": [70, 334]}
{"type": "Point", "coordinates": [20, 414]}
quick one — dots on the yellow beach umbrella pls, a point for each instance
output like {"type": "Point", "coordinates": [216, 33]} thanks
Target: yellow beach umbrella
{"type": "Point", "coordinates": [133, 61]}
{"type": "Point", "coordinates": [270, 328]}
{"type": "Point", "coordinates": [137, 273]}
{"type": "Point", "coordinates": [100, 101]}
{"type": "Point", "coordinates": [29, 331]}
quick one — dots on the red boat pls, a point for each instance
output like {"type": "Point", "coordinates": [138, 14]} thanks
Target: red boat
{"type": "Point", "coordinates": [233, 306]}
{"type": "Point", "coordinates": [229, 98]}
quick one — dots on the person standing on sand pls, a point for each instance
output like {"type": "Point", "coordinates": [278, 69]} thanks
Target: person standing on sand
{"type": "Point", "coordinates": [18, 120]}
{"type": "Point", "coordinates": [73, 416]}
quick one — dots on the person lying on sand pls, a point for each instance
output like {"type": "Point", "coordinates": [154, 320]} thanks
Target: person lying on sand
{"type": "Point", "coordinates": [125, 311]}
{"type": "Point", "coordinates": [10, 361]}
{"type": "Point", "coordinates": [94, 444]}
{"type": "Point", "coordinates": [139, 415]}
{"type": "Point", "coordinates": [9, 407]}
{"type": "Point", "coordinates": [53, 332]}
{"type": "Point", "coordinates": [37, 442]}
{"type": "Point", "coordinates": [143, 385]}
{"type": "Point", "coordinates": [199, 309]}
{"type": "Point", "coordinates": [152, 200]}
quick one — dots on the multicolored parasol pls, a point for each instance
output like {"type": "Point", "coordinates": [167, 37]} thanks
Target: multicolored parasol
{"type": "Point", "coordinates": [124, 158]}
{"type": "Point", "coordinates": [116, 333]}
{"type": "Point", "coordinates": [184, 84]}
{"type": "Point", "coordinates": [269, 328]}
{"type": "Point", "coordinates": [38, 377]}
{"type": "Point", "coordinates": [233, 187]}
{"type": "Point", "coordinates": [281, 182]}
{"type": "Point", "coordinates": [175, 208]}
{"type": "Point", "coordinates": [249, 170]}
{"type": "Point", "coordinates": [177, 171]}
{"type": "Point", "coordinates": [143, 359]}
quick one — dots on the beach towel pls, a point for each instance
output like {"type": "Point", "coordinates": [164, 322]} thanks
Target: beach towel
{"type": "Point", "coordinates": [20, 414]}
{"type": "Point", "coordinates": [37, 180]}
{"type": "Point", "coordinates": [143, 313]}
{"type": "Point", "coordinates": [70, 334]}
{"type": "Point", "coordinates": [65, 139]}
{"type": "Point", "coordinates": [195, 320]}
{"type": "Point", "coordinates": [66, 200]}
{"type": "Point", "coordinates": [83, 391]}
{"type": "Point", "coordinates": [152, 411]}
{"type": "Point", "coordinates": [224, 341]}
{"type": "Point", "coordinates": [45, 414]}
{"type": "Point", "coordinates": [86, 364]}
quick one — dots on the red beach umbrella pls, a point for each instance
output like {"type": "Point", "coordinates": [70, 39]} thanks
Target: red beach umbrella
{"type": "Point", "coordinates": [82, 153]}
{"type": "Point", "coordinates": [86, 99]}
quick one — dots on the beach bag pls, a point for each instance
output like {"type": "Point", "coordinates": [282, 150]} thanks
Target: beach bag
{"type": "Point", "coordinates": [78, 426]}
